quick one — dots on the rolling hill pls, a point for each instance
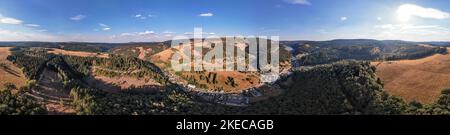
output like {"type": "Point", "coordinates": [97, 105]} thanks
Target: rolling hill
{"type": "Point", "coordinates": [308, 53]}
{"type": "Point", "coordinates": [136, 78]}
{"type": "Point", "coordinates": [419, 80]}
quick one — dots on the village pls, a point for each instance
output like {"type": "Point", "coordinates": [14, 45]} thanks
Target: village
{"type": "Point", "coordinates": [244, 98]}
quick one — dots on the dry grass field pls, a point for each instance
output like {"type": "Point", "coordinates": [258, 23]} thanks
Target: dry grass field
{"type": "Point", "coordinates": [421, 80]}
{"type": "Point", "coordinates": [241, 80]}
{"type": "Point", "coordinates": [8, 71]}
{"type": "Point", "coordinates": [78, 53]}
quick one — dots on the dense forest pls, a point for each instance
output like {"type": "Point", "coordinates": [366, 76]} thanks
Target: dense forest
{"type": "Point", "coordinates": [323, 52]}
{"type": "Point", "coordinates": [14, 101]}
{"type": "Point", "coordinates": [30, 60]}
{"type": "Point", "coordinates": [34, 60]}
{"type": "Point", "coordinates": [350, 88]}
{"type": "Point", "coordinates": [73, 70]}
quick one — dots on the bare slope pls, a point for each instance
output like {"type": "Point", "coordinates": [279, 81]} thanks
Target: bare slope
{"type": "Point", "coordinates": [8, 71]}
{"type": "Point", "coordinates": [78, 53]}
{"type": "Point", "coordinates": [421, 80]}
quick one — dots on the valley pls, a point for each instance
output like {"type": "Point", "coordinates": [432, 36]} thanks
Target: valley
{"type": "Point", "coordinates": [138, 79]}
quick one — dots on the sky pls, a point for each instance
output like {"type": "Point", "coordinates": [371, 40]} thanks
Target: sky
{"type": "Point", "coordinates": [160, 20]}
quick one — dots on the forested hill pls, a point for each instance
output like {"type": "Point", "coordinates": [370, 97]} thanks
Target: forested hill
{"type": "Point", "coordinates": [341, 88]}
{"type": "Point", "coordinates": [446, 44]}
{"type": "Point", "coordinates": [80, 46]}
{"type": "Point", "coordinates": [347, 87]}
{"type": "Point", "coordinates": [305, 52]}
{"type": "Point", "coordinates": [323, 52]}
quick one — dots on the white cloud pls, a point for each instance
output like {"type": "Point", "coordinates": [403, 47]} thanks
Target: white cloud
{"type": "Point", "coordinates": [385, 26]}
{"type": "Point", "coordinates": [300, 2]}
{"type": "Point", "coordinates": [7, 32]}
{"type": "Point", "coordinates": [42, 35]}
{"type": "Point", "coordinates": [127, 34]}
{"type": "Point", "coordinates": [144, 36]}
{"type": "Point", "coordinates": [411, 32]}
{"type": "Point", "coordinates": [409, 27]}
{"type": "Point", "coordinates": [206, 14]}
{"type": "Point", "coordinates": [344, 18]}
{"type": "Point", "coordinates": [168, 32]}
{"type": "Point", "coordinates": [32, 25]}
{"type": "Point", "coordinates": [9, 35]}
{"type": "Point", "coordinates": [406, 11]}
{"type": "Point", "coordinates": [9, 20]}
{"type": "Point", "coordinates": [140, 16]}
{"type": "Point", "coordinates": [78, 17]}
{"type": "Point", "coordinates": [204, 33]}
{"type": "Point", "coordinates": [104, 27]}
{"type": "Point", "coordinates": [144, 16]}
{"type": "Point", "coordinates": [146, 33]}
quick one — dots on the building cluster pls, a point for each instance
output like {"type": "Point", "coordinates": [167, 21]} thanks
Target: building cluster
{"type": "Point", "coordinates": [232, 99]}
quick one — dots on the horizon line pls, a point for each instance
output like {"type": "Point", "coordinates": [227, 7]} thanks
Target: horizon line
{"type": "Point", "coordinates": [95, 42]}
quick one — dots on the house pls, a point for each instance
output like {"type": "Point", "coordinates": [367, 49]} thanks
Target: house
{"type": "Point", "coordinates": [191, 86]}
{"type": "Point", "coordinates": [236, 101]}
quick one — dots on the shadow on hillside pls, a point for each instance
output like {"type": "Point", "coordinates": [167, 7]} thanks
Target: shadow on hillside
{"type": "Point", "coordinates": [10, 71]}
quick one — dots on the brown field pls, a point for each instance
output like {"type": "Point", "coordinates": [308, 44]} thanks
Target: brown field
{"type": "Point", "coordinates": [162, 59]}
{"type": "Point", "coordinates": [421, 80]}
{"type": "Point", "coordinates": [243, 80]}
{"type": "Point", "coordinates": [78, 53]}
{"type": "Point", "coordinates": [8, 71]}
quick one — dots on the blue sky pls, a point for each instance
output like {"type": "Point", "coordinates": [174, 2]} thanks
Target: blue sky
{"type": "Point", "coordinates": [159, 20]}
